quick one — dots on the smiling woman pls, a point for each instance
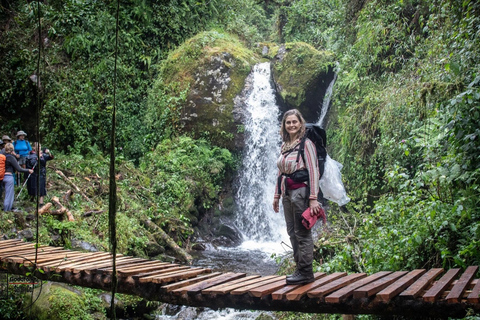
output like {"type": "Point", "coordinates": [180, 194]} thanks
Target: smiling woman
{"type": "Point", "coordinates": [297, 196]}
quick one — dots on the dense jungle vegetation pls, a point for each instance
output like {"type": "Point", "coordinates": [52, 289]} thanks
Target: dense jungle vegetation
{"type": "Point", "coordinates": [404, 121]}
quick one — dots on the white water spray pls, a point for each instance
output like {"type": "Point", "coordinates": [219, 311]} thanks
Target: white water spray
{"type": "Point", "coordinates": [260, 225]}
{"type": "Point", "coordinates": [326, 101]}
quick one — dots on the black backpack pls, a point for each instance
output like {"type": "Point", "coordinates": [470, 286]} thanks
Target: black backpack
{"type": "Point", "coordinates": [31, 161]}
{"type": "Point", "coordinates": [319, 138]}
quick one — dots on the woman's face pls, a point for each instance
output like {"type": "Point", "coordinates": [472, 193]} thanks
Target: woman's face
{"type": "Point", "coordinates": [292, 125]}
{"type": "Point", "coordinates": [21, 137]}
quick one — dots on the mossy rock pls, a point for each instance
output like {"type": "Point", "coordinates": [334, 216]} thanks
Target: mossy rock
{"type": "Point", "coordinates": [212, 67]}
{"type": "Point", "coordinates": [302, 74]}
{"type": "Point", "coordinates": [57, 301]}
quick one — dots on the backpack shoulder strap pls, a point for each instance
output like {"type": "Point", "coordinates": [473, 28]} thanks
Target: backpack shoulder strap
{"type": "Point", "coordinates": [301, 149]}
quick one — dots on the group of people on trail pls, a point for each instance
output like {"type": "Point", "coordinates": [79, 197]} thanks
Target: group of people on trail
{"type": "Point", "coordinates": [21, 157]}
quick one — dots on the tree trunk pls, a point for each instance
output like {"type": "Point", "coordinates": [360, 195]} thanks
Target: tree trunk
{"type": "Point", "coordinates": [60, 173]}
{"type": "Point", "coordinates": [167, 239]}
{"type": "Point", "coordinates": [44, 208]}
{"type": "Point", "coordinates": [63, 209]}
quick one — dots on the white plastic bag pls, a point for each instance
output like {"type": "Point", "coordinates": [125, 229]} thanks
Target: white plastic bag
{"type": "Point", "coordinates": [331, 182]}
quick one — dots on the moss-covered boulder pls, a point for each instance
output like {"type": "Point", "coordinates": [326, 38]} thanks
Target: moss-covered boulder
{"type": "Point", "coordinates": [301, 75]}
{"type": "Point", "coordinates": [201, 78]}
{"type": "Point", "coordinates": [59, 301]}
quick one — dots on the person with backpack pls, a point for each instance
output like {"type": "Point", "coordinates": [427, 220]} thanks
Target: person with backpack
{"type": "Point", "coordinates": [298, 193]}
{"type": "Point", "coordinates": [22, 149]}
{"type": "Point", "coordinates": [32, 161]}
{"type": "Point", "coordinates": [11, 166]}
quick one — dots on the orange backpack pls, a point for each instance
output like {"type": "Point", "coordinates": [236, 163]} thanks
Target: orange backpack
{"type": "Point", "coordinates": [3, 159]}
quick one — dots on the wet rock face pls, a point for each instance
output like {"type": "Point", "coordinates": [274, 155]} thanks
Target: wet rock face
{"type": "Point", "coordinates": [302, 75]}
{"type": "Point", "coordinates": [208, 109]}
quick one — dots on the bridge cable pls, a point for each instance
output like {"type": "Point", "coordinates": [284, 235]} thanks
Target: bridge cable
{"type": "Point", "coordinates": [112, 203]}
{"type": "Point", "coordinates": [37, 130]}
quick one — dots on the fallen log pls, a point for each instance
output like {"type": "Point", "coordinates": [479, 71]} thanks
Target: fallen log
{"type": "Point", "coordinates": [60, 173]}
{"type": "Point", "coordinates": [168, 240]}
{"type": "Point", "coordinates": [45, 208]}
{"type": "Point", "coordinates": [63, 209]}
{"type": "Point", "coordinates": [67, 195]}
{"type": "Point", "coordinates": [92, 212]}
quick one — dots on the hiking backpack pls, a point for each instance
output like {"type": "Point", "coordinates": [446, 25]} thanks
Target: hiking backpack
{"type": "Point", "coordinates": [3, 159]}
{"type": "Point", "coordinates": [31, 161]}
{"type": "Point", "coordinates": [319, 138]}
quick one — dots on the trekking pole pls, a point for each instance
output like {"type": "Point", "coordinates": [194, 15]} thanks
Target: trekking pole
{"type": "Point", "coordinates": [25, 182]}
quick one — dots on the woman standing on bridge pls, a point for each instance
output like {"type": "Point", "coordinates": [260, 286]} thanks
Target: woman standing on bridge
{"type": "Point", "coordinates": [297, 196]}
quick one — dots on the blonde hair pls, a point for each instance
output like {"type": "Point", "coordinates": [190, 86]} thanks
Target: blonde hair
{"type": "Point", "coordinates": [283, 131]}
{"type": "Point", "coordinates": [37, 147]}
{"type": "Point", "coordinates": [9, 148]}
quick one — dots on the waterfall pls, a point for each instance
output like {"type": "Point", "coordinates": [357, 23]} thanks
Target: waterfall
{"type": "Point", "coordinates": [326, 101]}
{"type": "Point", "coordinates": [256, 182]}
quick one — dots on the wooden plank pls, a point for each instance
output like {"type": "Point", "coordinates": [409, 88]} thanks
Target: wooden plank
{"type": "Point", "coordinates": [101, 264]}
{"type": "Point", "coordinates": [56, 258]}
{"type": "Point", "coordinates": [162, 273]}
{"type": "Point", "coordinates": [142, 268]}
{"type": "Point", "coordinates": [107, 268]}
{"type": "Point", "coordinates": [322, 291]}
{"type": "Point", "coordinates": [398, 286]}
{"type": "Point", "coordinates": [437, 289]}
{"type": "Point", "coordinates": [6, 251]}
{"type": "Point", "coordinates": [418, 286]}
{"type": "Point", "coordinates": [198, 287]}
{"type": "Point", "coordinates": [173, 286]}
{"type": "Point", "coordinates": [377, 286]}
{"type": "Point", "coordinates": [280, 294]}
{"type": "Point", "coordinates": [82, 259]}
{"type": "Point", "coordinates": [298, 293]}
{"type": "Point", "coordinates": [93, 258]}
{"type": "Point", "coordinates": [456, 292]}
{"type": "Point", "coordinates": [160, 269]}
{"type": "Point", "coordinates": [265, 290]}
{"type": "Point", "coordinates": [180, 275]}
{"type": "Point", "coordinates": [26, 249]}
{"type": "Point", "coordinates": [230, 286]}
{"type": "Point", "coordinates": [27, 256]}
{"type": "Point", "coordinates": [42, 251]}
{"type": "Point", "coordinates": [10, 243]}
{"type": "Point", "coordinates": [141, 262]}
{"type": "Point", "coordinates": [347, 291]}
{"type": "Point", "coordinates": [30, 259]}
{"type": "Point", "coordinates": [245, 289]}
{"type": "Point", "coordinates": [473, 297]}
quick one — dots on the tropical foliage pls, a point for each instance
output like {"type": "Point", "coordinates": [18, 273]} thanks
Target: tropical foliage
{"type": "Point", "coordinates": [404, 120]}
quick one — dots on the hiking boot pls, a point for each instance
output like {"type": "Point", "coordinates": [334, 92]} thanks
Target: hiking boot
{"type": "Point", "coordinates": [300, 279]}
{"type": "Point", "coordinates": [296, 273]}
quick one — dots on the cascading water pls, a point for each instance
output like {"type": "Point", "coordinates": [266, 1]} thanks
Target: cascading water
{"type": "Point", "coordinates": [326, 101]}
{"type": "Point", "coordinates": [263, 229]}
{"type": "Point", "coordinates": [256, 219]}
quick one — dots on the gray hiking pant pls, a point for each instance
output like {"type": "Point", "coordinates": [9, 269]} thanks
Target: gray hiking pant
{"type": "Point", "coordinates": [8, 185]}
{"type": "Point", "coordinates": [295, 202]}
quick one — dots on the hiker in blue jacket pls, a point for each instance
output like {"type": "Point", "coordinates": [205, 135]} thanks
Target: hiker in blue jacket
{"type": "Point", "coordinates": [22, 149]}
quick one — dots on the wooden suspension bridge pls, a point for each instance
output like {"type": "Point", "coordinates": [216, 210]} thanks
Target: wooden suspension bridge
{"type": "Point", "coordinates": [418, 293]}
